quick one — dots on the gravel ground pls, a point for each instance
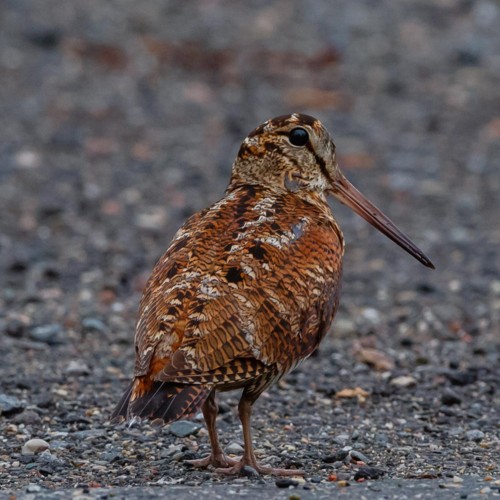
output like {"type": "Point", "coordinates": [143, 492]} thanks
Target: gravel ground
{"type": "Point", "coordinates": [119, 119]}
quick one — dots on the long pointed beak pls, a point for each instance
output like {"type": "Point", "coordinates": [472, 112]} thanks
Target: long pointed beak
{"type": "Point", "coordinates": [347, 194]}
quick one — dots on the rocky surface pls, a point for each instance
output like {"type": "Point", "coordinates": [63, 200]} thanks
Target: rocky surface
{"type": "Point", "coordinates": [120, 119]}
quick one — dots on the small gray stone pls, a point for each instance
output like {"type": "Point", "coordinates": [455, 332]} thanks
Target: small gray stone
{"type": "Point", "coordinates": [455, 431]}
{"type": "Point", "coordinates": [249, 471]}
{"type": "Point", "coordinates": [343, 476]}
{"type": "Point", "coordinates": [368, 473]}
{"type": "Point", "coordinates": [27, 417]}
{"type": "Point", "coordinates": [90, 325]}
{"type": "Point", "coordinates": [234, 449]}
{"type": "Point", "coordinates": [34, 446]}
{"type": "Point", "coordinates": [44, 399]}
{"type": "Point", "coordinates": [286, 482]}
{"type": "Point", "coordinates": [111, 456]}
{"type": "Point", "coordinates": [357, 456]}
{"type": "Point", "coordinates": [183, 428]}
{"type": "Point", "coordinates": [339, 457]}
{"type": "Point", "coordinates": [474, 435]}
{"type": "Point", "coordinates": [15, 328]}
{"type": "Point", "coordinates": [172, 450]}
{"type": "Point", "coordinates": [47, 458]}
{"type": "Point", "coordinates": [77, 367]}
{"type": "Point", "coordinates": [341, 439]}
{"type": "Point", "coordinates": [49, 334]}
{"type": "Point", "coordinates": [450, 397]}
{"type": "Point", "coordinates": [33, 488]}
{"type": "Point", "coordinates": [10, 405]}
{"type": "Point", "coordinates": [381, 438]}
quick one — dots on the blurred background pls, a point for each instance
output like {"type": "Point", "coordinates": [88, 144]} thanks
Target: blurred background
{"type": "Point", "coordinates": [120, 119]}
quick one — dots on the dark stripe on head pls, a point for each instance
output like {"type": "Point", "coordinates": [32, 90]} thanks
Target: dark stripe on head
{"type": "Point", "coordinates": [320, 162]}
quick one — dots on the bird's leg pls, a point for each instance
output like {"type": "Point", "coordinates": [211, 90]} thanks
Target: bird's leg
{"type": "Point", "coordinates": [245, 413]}
{"type": "Point", "coordinates": [217, 458]}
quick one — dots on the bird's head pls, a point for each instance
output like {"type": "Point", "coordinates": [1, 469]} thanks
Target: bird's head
{"type": "Point", "coordinates": [295, 153]}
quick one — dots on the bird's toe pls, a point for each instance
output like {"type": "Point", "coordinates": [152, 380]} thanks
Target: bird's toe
{"type": "Point", "coordinates": [218, 461]}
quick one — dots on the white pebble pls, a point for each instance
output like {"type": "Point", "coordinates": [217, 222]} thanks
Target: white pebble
{"type": "Point", "coordinates": [403, 381]}
{"type": "Point", "coordinates": [34, 446]}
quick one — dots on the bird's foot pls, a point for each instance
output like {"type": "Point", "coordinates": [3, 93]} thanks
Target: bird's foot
{"type": "Point", "coordinates": [219, 460]}
{"type": "Point", "coordinates": [237, 469]}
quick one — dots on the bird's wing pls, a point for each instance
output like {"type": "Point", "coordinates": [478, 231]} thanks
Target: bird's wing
{"type": "Point", "coordinates": [252, 280]}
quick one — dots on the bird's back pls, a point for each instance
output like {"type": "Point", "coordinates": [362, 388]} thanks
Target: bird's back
{"type": "Point", "coordinates": [247, 288]}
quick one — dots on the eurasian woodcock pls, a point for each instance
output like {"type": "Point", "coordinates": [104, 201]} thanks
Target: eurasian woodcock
{"type": "Point", "coordinates": [249, 286]}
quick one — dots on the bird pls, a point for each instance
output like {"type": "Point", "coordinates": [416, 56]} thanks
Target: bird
{"type": "Point", "coordinates": [249, 287]}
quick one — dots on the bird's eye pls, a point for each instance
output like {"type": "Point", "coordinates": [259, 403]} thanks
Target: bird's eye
{"type": "Point", "coordinates": [298, 137]}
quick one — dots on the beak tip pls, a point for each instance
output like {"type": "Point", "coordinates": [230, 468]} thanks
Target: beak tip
{"type": "Point", "coordinates": [427, 263]}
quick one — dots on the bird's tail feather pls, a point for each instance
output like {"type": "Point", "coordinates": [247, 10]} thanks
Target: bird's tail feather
{"type": "Point", "coordinates": [162, 400]}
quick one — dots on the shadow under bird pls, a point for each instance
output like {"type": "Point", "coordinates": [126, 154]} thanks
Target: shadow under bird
{"type": "Point", "coordinates": [249, 286]}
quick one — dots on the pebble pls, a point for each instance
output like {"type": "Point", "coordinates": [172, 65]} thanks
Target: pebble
{"type": "Point", "coordinates": [286, 482]}
{"type": "Point", "coordinates": [10, 405]}
{"type": "Point", "coordinates": [34, 446]}
{"type": "Point", "coordinates": [27, 159]}
{"type": "Point", "coordinates": [234, 449]}
{"type": "Point", "coordinates": [450, 397]}
{"type": "Point", "coordinates": [27, 417]}
{"type": "Point", "coordinates": [33, 488]}
{"type": "Point", "coordinates": [47, 458]}
{"type": "Point", "coordinates": [462, 378]}
{"type": "Point", "coordinates": [339, 456]}
{"type": "Point", "coordinates": [344, 326]}
{"type": "Point", "coordinates": [381, 438]}
{"type": "Point", "coordinates": [341, 439]}
{"type": "Point", "coordinates": [15, 328]}
{"type": "Point", "coordinates": [368, 473]}
{"type": "Point", "coordinates": [44, 399]}
{"type": "Point", "coordinates": [456, 431]}
{"type": "Point", "coordinates": [357, 456]}
{"type": "Point", "coordinates": [110, 456]}
{"type": "Point", "coordinates": [249, 472]}
{"type": "Point", "coordinates": [371, 315]}
{"type": "Point", "coordinates": [172, 450]}
{"type": "Point", "coordinates": [184, 428]}
{"type": "Point", "coordinates": [474, 435]}
{"type": "Point", "coordinates": [94, 325]}
{"type": "Point", "coordinates": [403, 381]}
{"type": "Point", "coordinates": [77, 367]}
{"type": "Point", "coordinates": [48, 334]}
{"type": "Point", "coordinates": [343, 476]}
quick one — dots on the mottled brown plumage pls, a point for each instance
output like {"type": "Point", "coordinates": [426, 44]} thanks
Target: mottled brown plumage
{"type": "Point", "coordinates": [249, 287]}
